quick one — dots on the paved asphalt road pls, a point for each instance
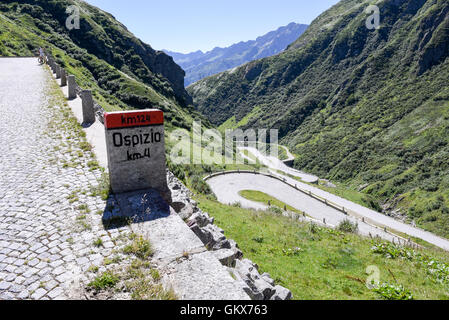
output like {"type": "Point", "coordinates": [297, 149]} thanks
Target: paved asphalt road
{"type": "Point", "coordinates": [276, 164]}
{"type": "Point", "coordinates": [227, 187]}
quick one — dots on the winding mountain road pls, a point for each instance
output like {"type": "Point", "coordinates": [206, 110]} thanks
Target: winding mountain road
{"type": "Point", "coordinates": [227, 187]}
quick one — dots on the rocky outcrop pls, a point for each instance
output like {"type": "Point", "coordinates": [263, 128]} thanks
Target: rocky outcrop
{"type": "Point", "coordinates": [392, 209]}
{"type": "Point", "coordinates": [257, 286]}
{"type": "Point", "coordinates": [435, 36]}
{"type": "Point", "coordinates": [161, 63]}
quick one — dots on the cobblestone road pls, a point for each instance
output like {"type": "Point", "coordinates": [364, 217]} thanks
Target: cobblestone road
{"type": "Point", "coordinates": [49, 218]}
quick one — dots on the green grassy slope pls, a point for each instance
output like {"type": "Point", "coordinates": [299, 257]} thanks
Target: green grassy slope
{"type": "Point", "coordinates": [319, 263]}
{"type": "Point", "coordinates": [366, 108]}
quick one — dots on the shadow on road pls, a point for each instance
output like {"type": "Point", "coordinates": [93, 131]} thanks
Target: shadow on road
{"type": "Point", "coordinates": [134, 207]}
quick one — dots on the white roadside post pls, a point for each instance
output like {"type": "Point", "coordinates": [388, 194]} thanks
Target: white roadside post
{"type": "Point", "coordinates": [72, 87]}
{"type": "Point", "coordinates": [58, 72]}
{"type": "Point", "coordinates": [88, 106]}
{"type": "Point", "coordinates": [63, 77]}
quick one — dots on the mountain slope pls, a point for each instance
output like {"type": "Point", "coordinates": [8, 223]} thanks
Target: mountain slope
{"type": "Point", "coordinates": [199, 65]}
{"type": "Point", "coordinates": [369, 108]}
{"type": "Point", "coordinates": [123, 71]}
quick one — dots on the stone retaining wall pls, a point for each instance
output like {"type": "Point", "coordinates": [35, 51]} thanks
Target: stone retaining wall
{"type": "Point", "coordinates": [257, 286]}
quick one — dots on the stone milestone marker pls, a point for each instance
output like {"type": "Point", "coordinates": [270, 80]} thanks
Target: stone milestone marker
{"type": "Point", "coordinates": [136, 151]}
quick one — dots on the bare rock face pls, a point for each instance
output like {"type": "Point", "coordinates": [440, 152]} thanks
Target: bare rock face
{"type": "Point", "coordinates": [391, 209]}
{"type": "Point", "coordinates": [245, 272]}
{"type": "Point", "coordinates": [260, 289]}
{"type": "Point", "coordinates": [184, 210]}
{"type": "Point", "coordinates": [327, 183]}
{"type": "Point", "coordinates": [281, 294]}
{"type": "Point", "coordinates": [267, 278]}
{"type": "Point", "coordinates": [200, 218]}
{"type": "Point", "coordinates": [434, 43]}
{"type": "Point", "coordinates": [226, 257]}
{"type": "Point", "coordinates": [181, 202]}
{"type": "Point", "coordinates": [165, 65]}
{"type": "Point", "coordinates": [212, 237]}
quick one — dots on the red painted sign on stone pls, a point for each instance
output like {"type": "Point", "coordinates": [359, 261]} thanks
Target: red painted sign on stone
{"type": "Point", "coordinates": [133, 119]}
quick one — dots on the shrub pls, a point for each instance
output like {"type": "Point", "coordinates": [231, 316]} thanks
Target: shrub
{"type": "Point", "coordinates": [291, 251]}
{"type": "Point", "coordinates": [199, 185]}
{"type": "Point", "coordinates": [313, 228]}
{"type": "Point", "coordinates": [104, 281]}
{"type": "Point", "coordinates": [392, 251]}
{"type": "Point", "coordinates": [348, 226]}
{"type": "Point", "coordinates": [140, 247]}
{"type": "Point", "coordinates": [275, 210]}
{"type": "Point", "coordinates": [393, 292]}
{"type": "Point", "coordinates": [438, 270]}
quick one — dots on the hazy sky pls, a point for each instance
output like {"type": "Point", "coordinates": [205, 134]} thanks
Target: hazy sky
{"type": "Point", "coordinates": [186, 26]}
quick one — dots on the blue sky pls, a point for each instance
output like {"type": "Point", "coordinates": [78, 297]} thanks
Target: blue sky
{"type": "Point", "coordinates": [186, 26]}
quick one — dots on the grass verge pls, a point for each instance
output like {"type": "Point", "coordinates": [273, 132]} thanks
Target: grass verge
{"type": "Point", "coordinates": [319, 263]}
{"type": "Point", "coordinates": [264, 198]}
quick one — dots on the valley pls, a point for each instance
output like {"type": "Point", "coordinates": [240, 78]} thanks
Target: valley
{"type": "Point", "coordinates": [365, 109]}
{"type": "Point", "coordinates": [199, 65]}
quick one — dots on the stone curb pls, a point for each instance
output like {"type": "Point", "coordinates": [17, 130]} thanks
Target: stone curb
{"type": "Point", "coordinates": [258, 287]}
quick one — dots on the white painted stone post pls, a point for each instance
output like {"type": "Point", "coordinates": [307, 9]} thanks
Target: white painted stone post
{"type": "Point", "coordinates": [63, 77]}
{"type": "Point", "coordinates": [72, 87]}
{"type": "Point", "coordinates": [58, 72]}
{"type": "Point", "coordinates": [53, 65]}
{"type": "Point", "coordinates": [88, 106]}
{"type": "Point", "coordinates": [136, 151]}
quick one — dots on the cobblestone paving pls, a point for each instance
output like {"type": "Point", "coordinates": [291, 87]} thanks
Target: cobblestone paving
{"type": "Point", "coordinates": [50, 217]}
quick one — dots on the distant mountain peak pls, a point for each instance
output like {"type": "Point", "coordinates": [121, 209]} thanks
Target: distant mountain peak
{"type": "Point", "coordinates": [199, 64]}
